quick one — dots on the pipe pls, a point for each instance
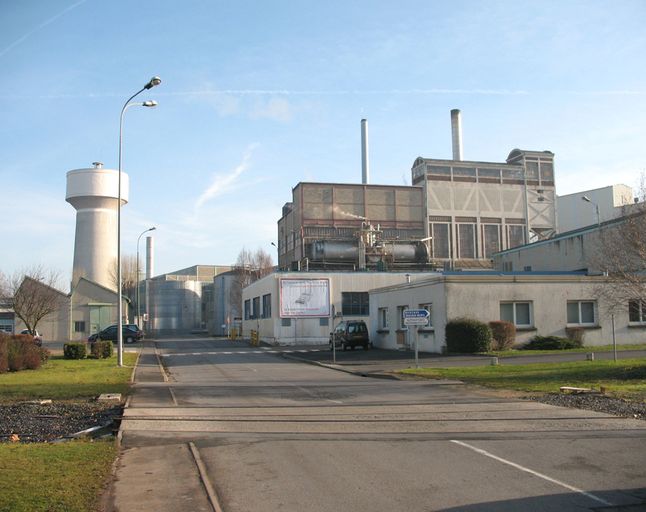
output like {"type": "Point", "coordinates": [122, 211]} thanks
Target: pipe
{"type": "Point", "coordinates": [365, 166]}
{"type": "Point", "coordinates": [456, 134]}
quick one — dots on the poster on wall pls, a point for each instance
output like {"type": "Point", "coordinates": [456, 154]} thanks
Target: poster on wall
{"type": "Point", "coordinates": [304, 297]}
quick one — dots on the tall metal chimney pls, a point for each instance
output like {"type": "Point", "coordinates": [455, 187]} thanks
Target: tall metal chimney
{"type": "Point", "coordinates": [149, 257]}
{"type": "Point", "coordinates": [456, 133]}
{"type": "Point", "coordinates": [365, 166]}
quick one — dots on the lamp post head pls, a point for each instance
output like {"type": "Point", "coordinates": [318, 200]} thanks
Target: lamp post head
{"type": "Point", "coordinates": [152, 229]}
{"type": "Point", "coordinates": [149, 103]}
{"type": "Point", "coordinates": [586, 199]}
{"type": "Point", "coordinates": [154, 81]}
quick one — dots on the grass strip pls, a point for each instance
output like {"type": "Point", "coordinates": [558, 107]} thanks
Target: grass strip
{"type": "Point", "coordinates": [65, 477]}
{"type": "Point", "coordinates": [68, 379]}
{"type": "Point", "coordinates": [600, 348]}
{"type": "Point", "coordinates": [625, 378]}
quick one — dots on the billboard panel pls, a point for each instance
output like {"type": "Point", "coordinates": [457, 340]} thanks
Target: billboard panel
{"type": "Point", "coordinates": [304, 297]}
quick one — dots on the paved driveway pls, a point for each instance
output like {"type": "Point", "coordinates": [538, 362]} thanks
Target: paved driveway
{"type": "Point", "coordinates": [216, 425]}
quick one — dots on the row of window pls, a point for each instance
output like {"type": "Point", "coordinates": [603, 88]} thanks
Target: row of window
{"type": "Point", "coordinates": [520, 313]}
{"type": "Point", "coordinates": [468, 244]}
{"type": "Point", "coordinates": [252, 308]}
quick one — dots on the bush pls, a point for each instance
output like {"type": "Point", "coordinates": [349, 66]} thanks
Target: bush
{"type": "Point", "coordinates": [102, 349]}
{"type": "Point", "coordinates": [465, 336]}
{"type": "Point", "coordinates": [550, 343]}
{"type": "Point", "coordinates": [504, 334]}
{"type": "Point", "coordinates": [575, 334]}
{"type": "Point", "coordinates": [19, 352]}
{"type": "Point", "coordinates": [74, 350]}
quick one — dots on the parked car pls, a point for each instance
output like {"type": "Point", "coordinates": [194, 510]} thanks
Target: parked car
{"type": "Point", "coordinates": [38, 339]}
{"type": "Point", "coordinates": [350, 333]}
{"type": "Point", "coordinates": [110, 333]}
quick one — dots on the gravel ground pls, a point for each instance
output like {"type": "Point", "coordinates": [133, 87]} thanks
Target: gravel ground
{"type": "Point", "coordinates": [34, 422]}
{"type": "Point", "coordinates": [595, 402]}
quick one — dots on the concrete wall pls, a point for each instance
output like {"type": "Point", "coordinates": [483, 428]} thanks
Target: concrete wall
{"type": "Point", "coordinates": [316, 330]}
{"type": "Point", "coordinates": [480, 296]}
{"type": "Point", "coordinates": [575, 213]}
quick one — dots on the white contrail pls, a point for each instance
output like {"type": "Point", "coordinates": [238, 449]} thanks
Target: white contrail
{"type": "Point", "coordinates": [42, 25]}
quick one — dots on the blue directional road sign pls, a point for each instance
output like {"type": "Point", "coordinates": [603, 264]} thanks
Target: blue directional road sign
{"type": "Point", "coordinates": [415, 317]}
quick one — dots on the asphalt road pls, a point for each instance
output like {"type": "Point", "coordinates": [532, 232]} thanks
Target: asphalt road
{"type": "Point", "coordinates": [217, 425]}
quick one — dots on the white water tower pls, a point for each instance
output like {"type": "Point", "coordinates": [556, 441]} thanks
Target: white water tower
{"type": "Point", "coordinates": [94, 194]}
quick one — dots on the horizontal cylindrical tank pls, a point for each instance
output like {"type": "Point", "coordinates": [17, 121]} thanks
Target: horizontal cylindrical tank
{"type": "Point", "coordinates": [348, 251]}
{"type": "Point", "coordinates": [93, 193]}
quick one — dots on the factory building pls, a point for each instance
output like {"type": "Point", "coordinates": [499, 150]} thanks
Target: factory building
{"type": "Point", "coordinates": [456, 214]}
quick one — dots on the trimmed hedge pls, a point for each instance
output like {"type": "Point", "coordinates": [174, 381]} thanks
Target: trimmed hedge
{"type": "Point", "coordinates": [20, 352]}
{"type": "Point", "coordinates": [551, 343]}
{"type": "Point", "coordinates": [466, 336]}
{"type": "Point", "coordinates": [504, 334]}
{"type": "Point", "coordinates": [74, 350]}
{"type": "Point", "coordinates": [102, 349]}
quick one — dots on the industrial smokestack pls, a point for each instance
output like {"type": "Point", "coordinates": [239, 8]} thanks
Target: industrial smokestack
{"type": "Point", "coordinates": [456, 133]}
{"type": "Point", "coordinates": [149, 257]}
{"type": "Point", "coordinates": [365, 166]}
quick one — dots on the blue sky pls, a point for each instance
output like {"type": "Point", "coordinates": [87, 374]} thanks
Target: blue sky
{"type": "Point", "coordinates": [259, 95]}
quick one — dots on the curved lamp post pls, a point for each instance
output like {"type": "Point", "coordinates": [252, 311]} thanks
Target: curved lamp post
{"type": "Point", "coordinates": [154, 81]}
{"type": "Point", "coordinates": [138, 303]}
{"type": "Point", "coordinates": [596, 206]}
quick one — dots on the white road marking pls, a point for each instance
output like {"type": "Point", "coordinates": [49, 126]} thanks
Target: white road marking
{"type": "Point", "coordinates": [266, 350]}
{"type": "Point", "coordinates": [532, 472]}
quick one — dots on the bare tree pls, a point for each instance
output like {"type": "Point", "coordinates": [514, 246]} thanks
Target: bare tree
{"type": "Point", "coordinates": [32, 294]}
{"type": "Point", "coordinates": [249, 267]}
{"type": "Point", "coordinates": [129, 276]}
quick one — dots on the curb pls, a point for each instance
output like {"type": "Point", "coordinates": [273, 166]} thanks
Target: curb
{"type": "Point", "coordinates": [385, 376]}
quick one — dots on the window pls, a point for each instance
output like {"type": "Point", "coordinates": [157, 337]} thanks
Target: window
{"type": "Point", "coordinates": [324, 321]}
{"type": "Point", "coordinates": [441, 240]}
{"type": "Point", "coordinates": [580, 312]}
{"type": "Point", "coordinates": [491, 237]}
{"type": "Point", "coordinates": [383, 318]}
{"type": "Point", "coordinates": [266, 306]}
{"type": "Point", "coordinates": [256, 307]}
{"type": "Point", "coordinates": [515, 236]}
{"type": "Point", "coordinates": [400, 315]}
{"type": "Point", "coordinates": [247, 309]}
{"type": "Point", "coordinates": [637, 311]}
{"type": "Point", "coordinates": [428, 307]}
{"type": "Point", "coordinates": [354, 303]}
{"type": "Point", "coordinates": [286, 322]}
{"type": "Point", "coordinates": [79, 326]}
{"type": "Point", "coordinates": [518, 313]}
{"type": "Point", "coordinates": [467, 240]}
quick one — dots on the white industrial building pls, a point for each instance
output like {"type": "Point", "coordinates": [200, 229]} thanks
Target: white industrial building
{"type": "Point", "coordinates": [302, 307]}
{"type": "Point", "coordinates": [537, 303]}
{"type": "Point", "coordinates": [590, 207]}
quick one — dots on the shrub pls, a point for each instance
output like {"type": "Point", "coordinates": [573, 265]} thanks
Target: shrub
{"type": "Point", "coordinates": [550, 343]}
{"type": "Point", "coordinates": [575, 334]}
{"type": "Point", "coordinates": [19, 352]}
{"type": "Point", "coordinates": [74, 350]}
{"type": "Point", "coordinates": [504, 334]}
{"type": "Point", "coordinates": [102, 349]}
{"type": "Point", "coordinates": [466, 335]}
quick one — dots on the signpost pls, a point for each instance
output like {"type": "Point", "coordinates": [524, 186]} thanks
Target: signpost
{"type": "Point", "coordinates": [416, 317]}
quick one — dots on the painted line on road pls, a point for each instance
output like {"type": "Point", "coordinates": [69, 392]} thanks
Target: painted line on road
{"type": "Point", "coordinates": [532, 472]}
{"type": "Point", "coordinates": [172, 395]}
{"type": "Point", "coordinates": [204, 477]}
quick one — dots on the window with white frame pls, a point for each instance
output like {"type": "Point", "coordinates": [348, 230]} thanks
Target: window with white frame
{"type": "Point", "coordinates": [400, 315]}
{"type": "Point", "coordinates": [637, 311]}
{"type": "Point", "coordinates": [581, 312]}
{"type": "Point", "coordinates": [518, 313]}
{"type": "Point", "coordinates": [383, 318]}
{"type": "Point", "coordinates": [428, 307]}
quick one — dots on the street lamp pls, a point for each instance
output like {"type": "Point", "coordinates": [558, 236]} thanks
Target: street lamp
{"type": "Point", "coordinates": [138, 303]}
{"type": "Point", "coordinates": [596, 206]}
{"type": "Point", "coordinates": [154, 81]}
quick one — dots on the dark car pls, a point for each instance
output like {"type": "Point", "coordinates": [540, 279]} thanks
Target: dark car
{"type": "Point", "coordinates": [38, 339]}
{"type": "Point", "coordinates": [350, 333]}
{"type": "Point", "coordinates": [110, 333]}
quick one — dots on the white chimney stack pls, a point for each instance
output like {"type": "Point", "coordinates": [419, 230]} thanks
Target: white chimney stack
{"type": "Point", "coordinates": [149, 257]}
{"type": "Point", "coordinates": [456, 133]}
{"type": "Point", "coordinates": [365, 166]}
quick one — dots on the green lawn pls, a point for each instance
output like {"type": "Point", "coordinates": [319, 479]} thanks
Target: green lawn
{"type": "Point", "coordinates": [601, 348]}
{"type": "Point", "coordinates": [68, 379]}
{"type": "Point", "coordinates": [65, 477]}
{"type": "Point", "coordinates": [625, 378]}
